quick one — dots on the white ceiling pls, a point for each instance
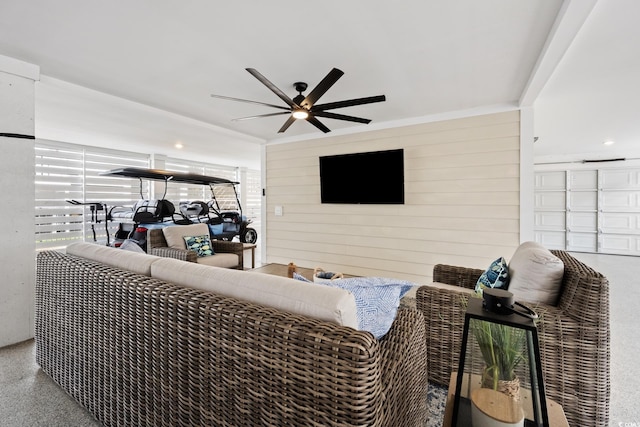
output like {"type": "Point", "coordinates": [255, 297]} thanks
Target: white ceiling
{"type": "Point", "coordinates": [594, 95]}
{"type": "Point", "coordinates": [427, 57]}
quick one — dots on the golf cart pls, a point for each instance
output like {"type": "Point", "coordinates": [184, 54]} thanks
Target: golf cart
{"type": "Point", "coordinates": [223, 213]}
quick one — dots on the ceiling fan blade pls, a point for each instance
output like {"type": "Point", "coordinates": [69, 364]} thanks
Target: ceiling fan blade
{"type": "Point", "coordinates": [328, 81]}
{"type": "Point", "coordinates": [272, 87]}
{"type": "Point", "coordinates": [318, 124]}
{"type": "Point", "coordinates": [261, 115]}
{"type": "Point", "coordinates": [286, 124]}
{"type": "Point", "coordinates": [348, 103]}
{"type": "Point", "coordinates": [251, 102]}
{"type": "Point", "coordinates": [341, 117]}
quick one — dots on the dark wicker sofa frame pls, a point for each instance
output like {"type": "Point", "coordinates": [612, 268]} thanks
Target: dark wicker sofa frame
{"type": "Point", "coordinates": [157, 245]}
{"type": "Point", "coordinates": [574, 337]}
{"type": "Point", "coordinates": [136, 351]}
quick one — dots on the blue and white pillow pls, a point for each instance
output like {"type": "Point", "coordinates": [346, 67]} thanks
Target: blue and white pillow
{"type": "Point", "coordinates": [200, 244]}
{"type": "Point", "coordinates": [496, 276]}
{"type": "Point", "coordinates": [377, 300]}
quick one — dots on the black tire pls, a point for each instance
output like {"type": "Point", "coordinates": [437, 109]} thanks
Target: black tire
{"type": "Point", "coordinates": [249, 235]}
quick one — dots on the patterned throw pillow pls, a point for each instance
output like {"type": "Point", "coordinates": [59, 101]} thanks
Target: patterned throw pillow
{"type": "Point", "coordinates": [200, 244]}
{"type": "Point", "coordinates": [496, 276]}
{"type": "Point", "coordinates": [377, 300]}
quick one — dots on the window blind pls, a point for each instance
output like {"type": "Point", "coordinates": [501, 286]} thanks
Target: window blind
{"type": "Point", "coordinates": [67, 172]}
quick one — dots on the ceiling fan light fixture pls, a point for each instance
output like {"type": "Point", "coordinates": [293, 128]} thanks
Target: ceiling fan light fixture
{"type": "Point", "coordinates": [300, 114]}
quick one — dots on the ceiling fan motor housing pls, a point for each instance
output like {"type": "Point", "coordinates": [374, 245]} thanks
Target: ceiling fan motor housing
{"type": "Point", "coordinates": [300, 86]}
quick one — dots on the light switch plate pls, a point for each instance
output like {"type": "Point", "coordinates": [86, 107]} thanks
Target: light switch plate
{"type": "Point", "coordinates": [278, 210]}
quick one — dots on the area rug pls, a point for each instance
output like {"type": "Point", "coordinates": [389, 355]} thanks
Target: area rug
{"type": "Point", "coordinates": [436, 401]}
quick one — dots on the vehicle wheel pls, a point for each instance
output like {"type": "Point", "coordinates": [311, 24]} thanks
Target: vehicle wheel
{"type": "Point", "coordinates": [250, 235]}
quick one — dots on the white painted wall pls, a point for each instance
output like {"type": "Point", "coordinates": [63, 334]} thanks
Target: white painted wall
{"type": "Point", "coordinates": [17, 245]}
{"type": "Point", "coordinates": [462, 201]}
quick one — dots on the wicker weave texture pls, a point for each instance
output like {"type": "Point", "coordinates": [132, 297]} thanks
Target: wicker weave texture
{"type": "Point", "coordinates": [574, 337]}
{"type": "Point", "coordinates": [157, 245]}
{"type": "Point", "coordinates": [136, 351]}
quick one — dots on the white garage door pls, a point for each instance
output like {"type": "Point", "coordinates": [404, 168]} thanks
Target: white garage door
{"type": "Point", "coordinates": [589, 210]}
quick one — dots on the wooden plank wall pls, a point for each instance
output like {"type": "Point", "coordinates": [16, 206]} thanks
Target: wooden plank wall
{"type": "Point", "coordinates": [461, 201]}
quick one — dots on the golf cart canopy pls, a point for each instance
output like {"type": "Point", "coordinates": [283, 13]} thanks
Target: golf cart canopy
{"type": "Point", "coordinates": [164, 175]}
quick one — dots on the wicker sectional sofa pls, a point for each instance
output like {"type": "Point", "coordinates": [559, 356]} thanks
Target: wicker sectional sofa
{"type": "Point", "coordinates": [137, 350]}
{"type": "Point", "coordinates": [574, 336]}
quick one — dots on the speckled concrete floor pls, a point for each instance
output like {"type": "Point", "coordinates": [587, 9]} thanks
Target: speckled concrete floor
{"type": "Point", "coordinates": [30, 398]}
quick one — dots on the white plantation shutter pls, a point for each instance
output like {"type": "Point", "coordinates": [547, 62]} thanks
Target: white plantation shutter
{"type": "Point", "coordinates": [72, 172]}
{"type": "Point", "coordinates": [253, 188]}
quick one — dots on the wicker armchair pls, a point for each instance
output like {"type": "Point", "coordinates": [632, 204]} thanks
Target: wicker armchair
{"type": "Point", "coordinates": [157, 245]}
{"type": "Point", "coordinates": [574, 337]}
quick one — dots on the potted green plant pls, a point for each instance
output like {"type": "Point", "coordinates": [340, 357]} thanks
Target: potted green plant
{"type": "Point", "coordinates": [502, 349]}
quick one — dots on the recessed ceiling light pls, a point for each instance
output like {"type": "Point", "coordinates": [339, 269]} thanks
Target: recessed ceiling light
{"type": "Point", "coordinates": [178, 145]}
{"type": "Point", "coordinates": [609, 142]}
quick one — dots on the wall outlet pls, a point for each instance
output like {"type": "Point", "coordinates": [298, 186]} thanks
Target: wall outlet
{"type": "Point", "coordinates": [278, 210]}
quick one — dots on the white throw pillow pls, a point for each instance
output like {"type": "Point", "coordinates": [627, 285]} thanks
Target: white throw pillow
{"type": "Point", "coordinates": [535, 274]}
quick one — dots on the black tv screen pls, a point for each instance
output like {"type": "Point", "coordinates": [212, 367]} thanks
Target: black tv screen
{"type": "Point", "coordinates": [375, 177]}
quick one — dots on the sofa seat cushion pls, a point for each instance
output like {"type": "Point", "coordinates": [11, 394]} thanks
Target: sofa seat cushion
{"type": "Point", "coordinates": [317, 301]}
{"type": "Point", "coordinates": [447, 287]}
{"type": "Point", "coordinates": [139, 263]}
{"type": "Point", "coordinates": [535, 274]}
{"type": "Point", "coordinates": [175, 234]}
{"type": "Point", "coordinates": [220, 259]}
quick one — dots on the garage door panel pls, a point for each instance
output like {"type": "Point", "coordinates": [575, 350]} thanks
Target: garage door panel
{"type": "Point", "coordinates": [582, 221]}
{"type": "Point", "coordinates": [583, 200]}
{"type": "Point", "coordinates": [619, 179]}
{"type": "Point", "coordinates": [551, 239]}
{"type": "Point", "coordinates": [627, 200]}
{"type": "Point", "coordinates": [550, 181]}
{"type": "Point", "coordinates": [583, 180]}
{"type": "Point", "coordinates": [550, 220]}
{"type": "Point", "coordinates": [620, 244]}
{"type": "Point", "coordinates": [620, 223]}
{"type": "Point", "coordinates": [582, 242]}
{"type": "Point", "coordinates": [551, 200]}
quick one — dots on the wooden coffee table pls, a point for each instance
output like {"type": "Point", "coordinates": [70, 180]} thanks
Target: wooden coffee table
{"type": "Point", "coordinates": [282, 269]}
{"type": "Point", "coordinates": [252, 248]}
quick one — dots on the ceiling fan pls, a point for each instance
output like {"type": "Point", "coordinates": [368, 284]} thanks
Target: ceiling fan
{"type": "Point", "coordinates": [304, 107]}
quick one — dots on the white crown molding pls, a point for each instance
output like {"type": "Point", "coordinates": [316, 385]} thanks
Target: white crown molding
{"type": "Point", "coordinates": [19, 68]}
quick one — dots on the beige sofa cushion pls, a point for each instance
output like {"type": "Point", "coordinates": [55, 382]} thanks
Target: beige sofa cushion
{"type": "Point", "coordinates": [449, 288]}
{"type": "Point", "coordinates": [535, 274]}
{"type": "Point", "coordinates": [126, 260]}
{"type": "Point", "coordinates": [220, 259]}
{"type": "Point", "coordinates": [175, 234]}
{"type": "Point", "coordinates": [309, 299]}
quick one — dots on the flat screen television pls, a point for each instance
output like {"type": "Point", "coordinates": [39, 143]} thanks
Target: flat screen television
{"type": "Point", "coordinates": [375, 177]}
